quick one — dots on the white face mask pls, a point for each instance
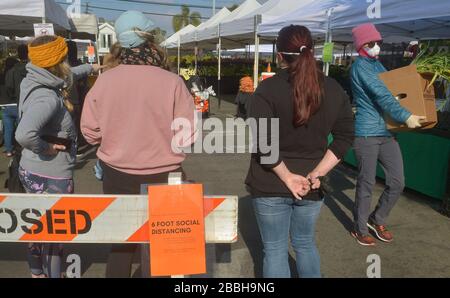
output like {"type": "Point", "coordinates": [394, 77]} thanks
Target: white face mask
{"type": "Point", "coordinates": [373, 52]}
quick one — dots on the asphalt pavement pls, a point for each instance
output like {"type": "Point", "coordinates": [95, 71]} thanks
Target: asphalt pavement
{"type": "Point", "coordinates": [422, 235]}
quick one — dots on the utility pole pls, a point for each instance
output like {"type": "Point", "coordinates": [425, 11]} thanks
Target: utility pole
{"type": "Point", "coordinates": [214, 7]}
{"type": "Point", "coordinates": [87, 8]}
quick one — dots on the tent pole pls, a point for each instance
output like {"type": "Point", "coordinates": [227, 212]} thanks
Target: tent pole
{"type": "Point", "coordinates": [178, 56]}
{"type": "Point", "coordinates": [256, 62]}
{"type": "Point", "coordinates": [328, 39]}
{"type": "Point", "coordinates": [256, 65]}
{"type": "Point", "coordinates": [273, 53]}
{"type": "Point", "coordinates": [96, 49]}
{"type": "Point", "coordinates": [344, 54]}
{"type": "Point", "coordinates": [196, 56]}
{"type": "Point", "coordinates": [351, 54]}
{"type": "Point", "coordinates": [96, 45]}
{"type": "Point", "coordinates": [219, 69]}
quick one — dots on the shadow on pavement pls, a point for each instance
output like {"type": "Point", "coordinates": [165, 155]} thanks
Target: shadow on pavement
{"type": "Point", "coordinates": [338, 183]}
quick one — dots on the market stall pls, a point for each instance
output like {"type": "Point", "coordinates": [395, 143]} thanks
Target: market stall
{"type": "Point", "coordinates": [426, 153]}
{"type": "Point", "coordinates": [18, 16]}
{"type": "Point", "coordinates": [238, 29]}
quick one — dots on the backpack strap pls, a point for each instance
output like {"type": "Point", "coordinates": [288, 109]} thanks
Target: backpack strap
{"type": "Point", "coordinates": [31, 91]}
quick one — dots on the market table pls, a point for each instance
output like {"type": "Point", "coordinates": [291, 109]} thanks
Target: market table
{"type": "Point", "coordinates": [426, 157]}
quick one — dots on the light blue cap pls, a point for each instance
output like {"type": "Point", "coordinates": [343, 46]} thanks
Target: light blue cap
{"type": "Point", "coordinates": [126, 26]}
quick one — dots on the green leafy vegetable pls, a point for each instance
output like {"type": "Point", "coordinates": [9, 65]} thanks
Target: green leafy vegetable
{"type": "Point", "coordinates": [434, 61]}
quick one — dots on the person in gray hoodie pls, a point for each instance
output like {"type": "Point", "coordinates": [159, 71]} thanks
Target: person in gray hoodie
{"type": "Point", "coordinates": [47, 134]}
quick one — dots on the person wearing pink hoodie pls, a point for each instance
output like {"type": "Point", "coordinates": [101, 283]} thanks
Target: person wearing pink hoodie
{"type": "Point", "coordinates": [129, 112]}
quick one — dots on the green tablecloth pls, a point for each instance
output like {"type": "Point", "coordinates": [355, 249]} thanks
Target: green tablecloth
{"type": "Point", "coordinates": [426, 160]}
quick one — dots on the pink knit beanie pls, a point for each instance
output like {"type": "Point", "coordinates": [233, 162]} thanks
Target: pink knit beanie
{"type": "Point", "coordinates": [365, 33]}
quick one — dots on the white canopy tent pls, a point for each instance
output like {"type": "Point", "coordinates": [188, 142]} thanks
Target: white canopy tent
{"type": "Point", "coordinates": [244, 9]}
{"type": "Point", "coordinates": [241, 31]}
{"type": "Point", "coordinates": [84, 26]}
{"type": "Point", "coordinates": [415, 19]}
{"type": "Point", "coordinates": [204, 29]}
{"type": "Point", "coordinates": [263, 48]}
{"type": "Point", "coordinates": [247, 8]}
{"type": "Point", "coordinates": [172, 41]}
{"type": "Point", "coordinates": [312, 15]}
{"type": "Point", "coordinates": [240, 27]}
{"type": "Point", "coordinates": [18, 16]}
{"type": "Point", "coordinates": [209, 34]}
{"type": "Point", "coordinates": [211, 28]}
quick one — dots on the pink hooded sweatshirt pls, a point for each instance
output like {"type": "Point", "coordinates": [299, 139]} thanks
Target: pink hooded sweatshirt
{"type": "Point", "coordinates": [129, 112]}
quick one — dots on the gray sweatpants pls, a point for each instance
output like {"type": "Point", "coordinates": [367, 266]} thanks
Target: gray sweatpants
{"type": "Point", "coordinates": [368, 152]}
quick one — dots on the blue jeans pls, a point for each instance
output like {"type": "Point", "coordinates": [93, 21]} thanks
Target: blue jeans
{"type": "Point", "coordinates": [9, 124]}
{"type": "Point", "coordinates": [277, 218]}
{"type": "Point", "coordinates": [98, 171]}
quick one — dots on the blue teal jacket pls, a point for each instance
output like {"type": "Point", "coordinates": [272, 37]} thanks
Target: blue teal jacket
{"type": "Point", "coordinates": [373, 99]}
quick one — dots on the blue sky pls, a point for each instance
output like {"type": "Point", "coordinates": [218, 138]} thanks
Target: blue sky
{"type": "Point", "coordinates": [165, 22]}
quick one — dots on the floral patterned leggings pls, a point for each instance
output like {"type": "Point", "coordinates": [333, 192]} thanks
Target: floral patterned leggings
{"type": "Point", "coordinates": [45, 259]}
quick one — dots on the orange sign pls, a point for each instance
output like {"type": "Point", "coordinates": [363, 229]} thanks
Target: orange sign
{"type": "Point", "coordinates": [177, 230]}
{"type": "Point", "coordinates": [91, 54]}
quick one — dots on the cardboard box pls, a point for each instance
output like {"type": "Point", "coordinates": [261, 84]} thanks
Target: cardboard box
{"type": "Point", "coordinates": [411, 89]}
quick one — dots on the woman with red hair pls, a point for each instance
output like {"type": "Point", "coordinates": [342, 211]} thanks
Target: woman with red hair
{"type": "Point", "coordinates": [287, 193]}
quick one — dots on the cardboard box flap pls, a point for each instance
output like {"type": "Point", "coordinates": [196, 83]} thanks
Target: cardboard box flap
{"type": "Point", "coordinates": [411, 89]}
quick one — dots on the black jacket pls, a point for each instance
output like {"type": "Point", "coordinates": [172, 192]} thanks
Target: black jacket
{"type": "Point", "coordinates": [301, 148]}
{"type": "Point", "coordinates": [12, 81]}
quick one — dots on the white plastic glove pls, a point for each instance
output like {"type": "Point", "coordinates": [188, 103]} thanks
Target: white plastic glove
{"type": "Point", "coordinates": [414, 121]}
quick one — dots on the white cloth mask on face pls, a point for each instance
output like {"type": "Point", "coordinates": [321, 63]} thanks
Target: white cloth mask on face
{"type": "Point", "coordinates": [373, 52]}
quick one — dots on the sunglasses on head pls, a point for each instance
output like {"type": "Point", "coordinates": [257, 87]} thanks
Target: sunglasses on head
{"type": "Point", "coordinates": [371, 44]}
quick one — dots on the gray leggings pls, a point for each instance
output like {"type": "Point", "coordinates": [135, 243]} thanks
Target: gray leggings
{"type": "Point", "coordinates": [369, 151]}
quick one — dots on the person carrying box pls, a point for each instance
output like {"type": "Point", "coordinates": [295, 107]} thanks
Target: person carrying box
{"type": "Point", "coordinates": [373, 142]}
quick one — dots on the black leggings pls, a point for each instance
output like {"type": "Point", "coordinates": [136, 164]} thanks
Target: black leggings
{"type": "Point", "coordinates": [115, 182]}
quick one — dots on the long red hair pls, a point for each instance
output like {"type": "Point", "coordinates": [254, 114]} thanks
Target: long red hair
{"type": "Point", "coordinates": [305, 77]}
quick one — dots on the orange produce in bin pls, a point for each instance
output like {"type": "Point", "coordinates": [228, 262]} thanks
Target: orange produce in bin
{"type": "Point", "coordinates": [201, 105]}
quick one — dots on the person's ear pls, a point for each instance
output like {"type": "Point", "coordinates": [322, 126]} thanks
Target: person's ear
{"type": "Point", "coordinates": [279, 59]}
